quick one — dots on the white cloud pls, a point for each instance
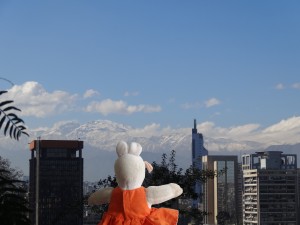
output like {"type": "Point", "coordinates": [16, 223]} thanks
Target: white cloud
{"type": "Point", "coordinates": [279, 86]}
{"type": "Point", "coordinates": [90, 93]}
{"type": "Point", "coordinates": [284, 125]}
{"type": "Point", "coordinates": [147, 131]}
{"type": "Point", "coordinates": [155, 129]}
{"type": "Point", "coordinates": [127, 94]}
{"type": "Point", "coordinates": [216, 114]}
{"type": "Point", "coordinates": [241, 131]}
{"type": "Point", "coordinates": [171, 100]}
{"type": "Point", "coordinates": [296, 85]}
{"type": "Point", "coordinates": [109, 106]}
{"type": "Point", "coordinates": [35, 101]}
{"type": "Point", "coordinates": [286, 131]}
{"type": "Point", "coordinates": [211, 102]}
{"type": "Point", "coordinates": [188, 105]}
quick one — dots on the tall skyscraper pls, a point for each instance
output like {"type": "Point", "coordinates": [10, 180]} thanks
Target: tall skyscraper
{"type": "Point", "coordinates": [220, 195]}
{"type": "Point", "coordinates": [270, 188]}
{"type": "Point", "coordinates": [56, 182]}
{"type": "Point", "coordinates": [198, 151]}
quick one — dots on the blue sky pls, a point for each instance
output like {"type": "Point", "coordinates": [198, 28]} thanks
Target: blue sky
{"type": "Point", "coordinates": [231, 63]}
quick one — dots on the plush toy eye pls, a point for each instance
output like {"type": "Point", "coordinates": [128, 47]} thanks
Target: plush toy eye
{"type": "Point", "coordinates": [122, 148]}
{"type": "Point", "coordinates": [135, 149]}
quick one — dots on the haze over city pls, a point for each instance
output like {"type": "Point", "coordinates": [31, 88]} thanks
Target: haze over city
{"type": "Point", "coordinates": [154, 66]}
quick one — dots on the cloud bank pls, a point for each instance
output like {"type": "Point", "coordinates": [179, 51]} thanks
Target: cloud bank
{"type": "Point", "coordinates": [35, 101]}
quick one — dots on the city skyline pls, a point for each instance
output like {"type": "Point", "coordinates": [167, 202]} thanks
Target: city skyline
{"type": "Point", "coordinates": [100, 140]}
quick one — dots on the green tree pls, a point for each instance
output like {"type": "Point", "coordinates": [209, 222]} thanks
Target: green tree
{"type": "Point", "coordinates": [13, 202]}
{"type": "Point", "coordinates": [110, 181]}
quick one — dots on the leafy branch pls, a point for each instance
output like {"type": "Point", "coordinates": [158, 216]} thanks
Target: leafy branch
{"type": "Point", "coordinates": [9, 121]}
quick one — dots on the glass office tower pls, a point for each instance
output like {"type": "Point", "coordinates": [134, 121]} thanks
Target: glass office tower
{"type": "Point", "coordinates": [221, 195]}
{"type": "Point", "coordinates": [198, 151]}
{"type": "Point", "coordinates": [56, 182]}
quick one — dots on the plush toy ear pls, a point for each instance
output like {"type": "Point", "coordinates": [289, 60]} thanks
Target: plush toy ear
{"type": "Point", "coordinates": [135, 149]}
{"type": "Point", "coordinates": [122, 148]}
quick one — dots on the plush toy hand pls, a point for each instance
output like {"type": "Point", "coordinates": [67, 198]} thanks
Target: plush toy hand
{"type": "Point", "coordinates": [159, 194]}
{"type": "Point", "coordinates": [100, 197]}
{"type": "Point", "coordinates": [148, 166]}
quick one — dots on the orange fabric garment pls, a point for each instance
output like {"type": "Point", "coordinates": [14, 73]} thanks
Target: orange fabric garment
{"type": "Point", "coordinates": [129, 207]}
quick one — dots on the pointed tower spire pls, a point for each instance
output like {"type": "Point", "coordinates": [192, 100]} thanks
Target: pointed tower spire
{"type": "Point", "coordinates": [194, 130]}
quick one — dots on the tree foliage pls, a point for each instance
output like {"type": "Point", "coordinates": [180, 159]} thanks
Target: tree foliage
{"type": "Point", "coordinates": [13, 202]}
{"type": "Point", "coordinates": [11, 124]}
{"type": "Point", "coordinates": [110, 181]}
{"type": "Point", "coordinates": [14, 206]}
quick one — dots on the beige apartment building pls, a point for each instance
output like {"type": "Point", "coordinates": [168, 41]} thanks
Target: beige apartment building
{"type": "Point", "coordinates": [222, 194]}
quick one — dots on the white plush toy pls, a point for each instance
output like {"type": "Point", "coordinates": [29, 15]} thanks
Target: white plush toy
{"type": "Point", "coordinates": [130, 203]}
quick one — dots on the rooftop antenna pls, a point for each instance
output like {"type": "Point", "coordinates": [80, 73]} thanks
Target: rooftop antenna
{"type": "Point", "coordinates": [37, 181]}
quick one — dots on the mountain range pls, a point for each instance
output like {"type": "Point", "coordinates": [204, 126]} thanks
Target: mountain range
{"type": "Point", "coordinates": [101, 136]}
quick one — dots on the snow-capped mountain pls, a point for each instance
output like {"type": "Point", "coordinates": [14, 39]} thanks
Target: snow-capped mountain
{"type": "Point", "coordinates": [104, 134]}
{"type": "Point", "coordinates": [100, 138]}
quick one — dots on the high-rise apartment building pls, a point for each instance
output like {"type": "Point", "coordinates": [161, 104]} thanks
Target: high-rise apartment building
{"type": "Point", "coordinates": [198, 151]}
{"type": "Point", "coordinates": [270, 188]}
{"type": "Point", "coordinates": [56, 182]}
{"type": "Point", "coordinates": [221, 194]}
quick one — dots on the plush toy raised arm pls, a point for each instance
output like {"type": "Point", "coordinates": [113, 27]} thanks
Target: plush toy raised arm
{"type": "Point", "coordinates": [100, 197]}
{"type": "Point", "coordinates": [130, 200]}
{"type": "Point", "coordinates": [163, 193]}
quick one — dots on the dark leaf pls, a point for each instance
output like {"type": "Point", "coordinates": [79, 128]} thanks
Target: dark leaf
{"type": "Point", "coordinates": [23, 132]}
{"type": "Point", "coordinates": [11, 131]}
{"type": "Point", "coordinates": [18, 134]}
{"type": "Point", "coordinates": [5, 103]}
{"type": "Point", "coordinates": [2, 121]}
{"type": "Point", "coordinates": [15, 119]}
{"type": "Point", "coordinates": [11, 108]}
{"type": "Point", "coordinates": [6, 127]}
{"type": "Point", "coordinates": [15, 133]}
{"type": "Point", "coordinates": [2, 92]}
{"type": "Point", "coordinates": [21, 127]}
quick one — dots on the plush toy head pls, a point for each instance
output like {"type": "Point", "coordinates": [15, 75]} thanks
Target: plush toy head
{"type": "Point", "coordinates": [130, 167]}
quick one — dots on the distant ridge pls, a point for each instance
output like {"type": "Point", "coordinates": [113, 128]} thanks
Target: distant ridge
{"type": "Point", "coordinates": [101, 136]}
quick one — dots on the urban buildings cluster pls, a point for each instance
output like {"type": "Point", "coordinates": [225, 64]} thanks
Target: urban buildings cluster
{"type": "Point", "coordinates": [261, 189]}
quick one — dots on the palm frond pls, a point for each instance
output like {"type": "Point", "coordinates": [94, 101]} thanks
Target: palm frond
{"type": "Point", "coordinates": [11, 124]}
